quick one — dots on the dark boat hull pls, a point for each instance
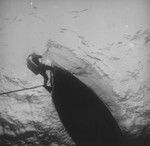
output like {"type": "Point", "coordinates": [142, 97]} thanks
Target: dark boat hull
{"type": "Point", "coordinates": [84, 115]}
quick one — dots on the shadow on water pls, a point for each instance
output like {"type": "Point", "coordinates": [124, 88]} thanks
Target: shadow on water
{"type": "Point", "coordinates": [84, 115]}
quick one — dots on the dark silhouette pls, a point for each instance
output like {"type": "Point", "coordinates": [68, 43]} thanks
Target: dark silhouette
{"type": "Point", "coordinates": [86, 118]}
{"type": "Point", "coordinates": [84, 115]}
{"type": "Point", "coordinates": [37, 67]}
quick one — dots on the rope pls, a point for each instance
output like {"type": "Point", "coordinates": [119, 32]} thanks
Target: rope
{"type": "Point", "coordinates": [21, 90]}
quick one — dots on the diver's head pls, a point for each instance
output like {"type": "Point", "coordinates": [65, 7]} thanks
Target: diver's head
{"type": "Point", "coordinates": [37, 64]}
{"type": "Point", "coordinates": [34, 63]}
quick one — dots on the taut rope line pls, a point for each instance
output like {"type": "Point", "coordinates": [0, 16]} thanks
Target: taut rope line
{"type": "Point", "coordinates": [21, 89]}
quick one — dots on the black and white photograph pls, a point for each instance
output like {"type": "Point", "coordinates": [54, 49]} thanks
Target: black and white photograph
{"type": "Point", "coordinates": [74, 72]}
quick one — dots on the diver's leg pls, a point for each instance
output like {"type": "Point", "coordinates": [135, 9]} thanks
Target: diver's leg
{"type": "Point", "coordinates": [47, 80]}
